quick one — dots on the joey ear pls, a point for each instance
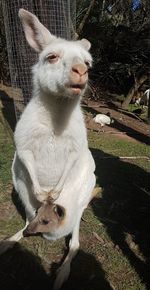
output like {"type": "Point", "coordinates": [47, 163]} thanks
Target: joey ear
{"type": "Point", "coordinates": [37, 35]}
{"type": "Point", "coordinates": [85, 43]}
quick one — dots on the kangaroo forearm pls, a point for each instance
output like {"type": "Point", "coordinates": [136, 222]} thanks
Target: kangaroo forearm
{"type": "Point", "coordinates": [27, 158]}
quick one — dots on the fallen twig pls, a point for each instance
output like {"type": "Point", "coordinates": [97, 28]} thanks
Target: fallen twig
{"type": "Point", "coordinates": [142, 189]}
{"type": "Point", "coordinates": [134, 157]}
{"type": "Point", "coordinates": [98, 237]}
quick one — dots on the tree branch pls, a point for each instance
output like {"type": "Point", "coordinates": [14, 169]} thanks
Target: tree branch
{"type": "Point", "coordinates": [133, 90]}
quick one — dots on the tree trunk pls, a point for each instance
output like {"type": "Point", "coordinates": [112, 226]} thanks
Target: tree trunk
{"type": "Point", "coordinates": [79, 29]}
{"type": "Point", "coordinates": [133, 90]}
{"type": "Point", "coordinates": [103, 8]}
{"type": "Point", "coordinates": [148, 117]}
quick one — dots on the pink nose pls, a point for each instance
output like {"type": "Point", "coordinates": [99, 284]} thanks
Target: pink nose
{"type": "Point", "coordinates": [79, 69]}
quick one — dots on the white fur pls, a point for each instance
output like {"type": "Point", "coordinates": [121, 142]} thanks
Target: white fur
{"type": "Point", "coordinates": [51, 141]}
{"type": "Point", "coordinates": [102, 119]}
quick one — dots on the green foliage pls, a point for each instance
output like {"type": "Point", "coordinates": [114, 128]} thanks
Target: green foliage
{"type": "Point", "coordinates": [120, 44]}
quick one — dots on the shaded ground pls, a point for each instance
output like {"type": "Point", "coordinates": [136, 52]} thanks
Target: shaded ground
{"type": "Point", "coordinates": [124, 209]}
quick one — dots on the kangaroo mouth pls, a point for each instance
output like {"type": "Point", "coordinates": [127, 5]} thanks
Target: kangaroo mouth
{"type": "Point", "coordinates": [27, 233]}
{"type": "Point", "coordinates": [76, 88]}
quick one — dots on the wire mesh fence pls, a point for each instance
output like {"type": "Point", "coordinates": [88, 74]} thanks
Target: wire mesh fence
{"type": "Point", "coordinates": [57, 15]}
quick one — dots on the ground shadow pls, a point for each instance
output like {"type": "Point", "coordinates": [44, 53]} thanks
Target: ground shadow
{"type": "Point", "coordinates": [18, 204]}
{"type": "Point", "coordinates": [20, 269]}
{"type": "Point", "coordinates": [8, 109]}
{"type": "Point", "coordinates": [125, 208]}
{"type": "Point", "coordinates": [86, 274]}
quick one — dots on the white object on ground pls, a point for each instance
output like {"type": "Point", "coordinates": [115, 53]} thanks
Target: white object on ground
{"type": "Point", "coordinates": [103, 119]}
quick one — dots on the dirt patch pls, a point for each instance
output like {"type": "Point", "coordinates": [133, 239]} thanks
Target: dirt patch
{"type": "Point", "coordinates": [8, 211]}
{"type": "Point", "coordinates": [124, 126]}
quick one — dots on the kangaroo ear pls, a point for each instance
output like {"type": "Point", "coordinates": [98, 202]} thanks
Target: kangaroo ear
{"type": "Point", "coordinates": [37, 35]}
{"type": "Point", "coordinates": [85, 43]}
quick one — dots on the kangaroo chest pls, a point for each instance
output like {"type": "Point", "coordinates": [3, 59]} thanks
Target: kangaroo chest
{"type": "Point", "coordinates": [51, 156]}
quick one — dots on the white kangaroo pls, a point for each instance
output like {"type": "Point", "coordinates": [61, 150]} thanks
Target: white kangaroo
{"type": "Point", "coordinates": [52, 158]}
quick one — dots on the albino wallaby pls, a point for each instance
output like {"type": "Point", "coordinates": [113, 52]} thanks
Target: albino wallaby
{"type": "Point", "coordinates": [52, 156]}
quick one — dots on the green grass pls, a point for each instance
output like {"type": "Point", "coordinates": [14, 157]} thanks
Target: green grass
{"type": "Point", "coordinates": [123, 208]}
{"type": "Point", "coordinates": [114, 233]}
{"type": "Point", "coordinates": [112, 145]}
{"type": "Point", "coordinates": [144, 113]}
{"type": "Point", "coordinates": [6, 155]}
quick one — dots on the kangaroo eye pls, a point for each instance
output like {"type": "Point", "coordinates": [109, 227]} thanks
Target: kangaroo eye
{"type": "Point", "coordinates": [52, 58]}
{"type": "Point", "coordinates": [59, 211]}
{"type": "Point", "coordinates": [87, 63]}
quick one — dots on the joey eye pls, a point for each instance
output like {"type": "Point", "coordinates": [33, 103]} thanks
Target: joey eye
{"type": "Point", "coordinates": [52, 58]}
{"type": "Point", "coordinates": [59, 210]}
